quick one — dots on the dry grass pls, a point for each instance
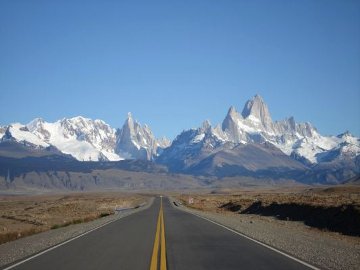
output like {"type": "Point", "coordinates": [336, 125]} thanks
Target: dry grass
{"type": "Point", "coordinates": [25, 215]}
{"type": "Point", "coordinates": [320, 196]}
{"type": "Point", "coordinates": [329, 209]}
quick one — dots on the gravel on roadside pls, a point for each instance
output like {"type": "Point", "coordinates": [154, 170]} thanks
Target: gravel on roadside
{"type": "Point", "coordinates": [325, 250]}
{"type": "Point", "coordinates": [24, 247]}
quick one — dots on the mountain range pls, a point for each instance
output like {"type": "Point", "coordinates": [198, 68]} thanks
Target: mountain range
{"type": "Point", "coordinates": [88, 140]}
{"type": "Point", "coordinates": [249, 143]}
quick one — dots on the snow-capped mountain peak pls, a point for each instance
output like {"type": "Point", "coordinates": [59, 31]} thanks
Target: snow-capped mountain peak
{"type": "Point", "coordinates": [206, 126]}
{"type": "Point", "coordinates": [81, 137]}
{"type": "Point", "coordinates": [256, 110]}
{"type": "Point", "coordinates": [35, 123]}
{"type": "Point", "coordinates": [163, 142]}
{"type": "Point", "coordinates": [136, 141]}
{"type": "Point", "coordinates": [21, 134]}
{"type": "Point", "coordinates": [232, 113]}
{"type": "Point", "coordinates": [87, 139]}
{"type": "Point", "coordinates": [301, 141]}
{"type": "Point", "coordinates": [231, 124]}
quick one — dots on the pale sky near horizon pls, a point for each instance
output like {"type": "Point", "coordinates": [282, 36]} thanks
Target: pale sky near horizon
{"type": "Point", "coordinates": [174, 64]}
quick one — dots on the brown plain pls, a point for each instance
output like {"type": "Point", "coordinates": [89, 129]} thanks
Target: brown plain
{"type": "Point", "coordinates": [334, 208]}
{"type": "Point", "coordinates": [315, 196]}
{"type": "Point", "coordinates": [25, 215]}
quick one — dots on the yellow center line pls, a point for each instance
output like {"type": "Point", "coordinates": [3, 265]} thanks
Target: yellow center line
{"type": "Point", "coordinates": [159, 243]}
{"type": "Point", "coordinates": [154, 257]}
{"type": "Point", "coordinates": [163, 245]}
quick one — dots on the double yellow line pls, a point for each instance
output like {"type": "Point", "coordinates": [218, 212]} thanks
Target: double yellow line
{"type": "Point", "coordinates": [159, 243]}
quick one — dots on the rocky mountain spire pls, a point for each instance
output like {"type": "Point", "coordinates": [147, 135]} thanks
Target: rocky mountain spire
{"type": "Point", "coordinates": [230, 125]}
{"type": "Point", "coordinates": [135, 141]}
{"type": "Point", "coordinates": [206, 125]}
{"type": "Point", "coordinates": [230, 119]}
{"type": "Point", "coordinates": [257, 108]}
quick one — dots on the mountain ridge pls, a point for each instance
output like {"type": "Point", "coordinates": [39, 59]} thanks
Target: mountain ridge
{"type": "Point", "coordinates": [86, 139]}
{"type": "Point", "coordinates": [204, 150]}
{"type": "Point", "coordinates": [300, 142]}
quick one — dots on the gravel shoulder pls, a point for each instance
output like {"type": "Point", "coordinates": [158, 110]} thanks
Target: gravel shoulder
{"type": "Point", "coordinates": [24, 247]}
{"type": "Point", "coordinates": [325, 250]}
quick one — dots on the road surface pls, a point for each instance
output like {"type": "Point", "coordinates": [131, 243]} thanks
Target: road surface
{"type": "Point", "coordinates": [191, 243]}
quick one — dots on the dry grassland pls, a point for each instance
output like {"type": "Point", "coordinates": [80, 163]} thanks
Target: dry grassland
{"type": "Point", "coordinates": [326, 208]}
{"type": "Point", "coordinates": [25, 215]}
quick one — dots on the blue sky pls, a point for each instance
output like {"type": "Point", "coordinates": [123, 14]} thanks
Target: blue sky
{"type": "Point", "coordinates": [174, 64]}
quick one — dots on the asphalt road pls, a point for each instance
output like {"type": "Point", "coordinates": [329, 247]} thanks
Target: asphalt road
{"type": "Point", "coordinates": [195, 243]}
{"type": "Point", "coordinates": [191, 243]}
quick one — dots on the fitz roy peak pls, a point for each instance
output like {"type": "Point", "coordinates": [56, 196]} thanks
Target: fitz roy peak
{"type": "Point", "coordinates": [86, 139]}
{"type": "Point", "coordinates": [256, 109]}
{"type": "Point", "coordinates": [300, 140]}
{"type": "Point", "coordinates": [230, 149]}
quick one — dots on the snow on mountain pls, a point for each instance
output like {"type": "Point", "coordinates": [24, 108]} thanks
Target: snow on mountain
{"type": "Point", "coordinates": [163, 142]}
{"type": "Point", "coordinates": [257, 114]}
{"type": "Point", "coordinates": [300, 141]}
{"type": "Point", "coordinates": [136, 141]}
{"type": "Point", "coordinates": [83, 138]}
{"type": "Point", "coordinates": [87, 139]}
{"type": "Point", "coordinates": [347, 147]}
{"type": "Point", "coordinates": [2, 131]}
{"type": "Point", "coordinates": [20, 133]}
{"type": "Point", "coordinates": [192, 145]}
{"type": "Point", "coordinates": [304, 141]}
{"type": "Point", "coordinates": [239, 129]}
